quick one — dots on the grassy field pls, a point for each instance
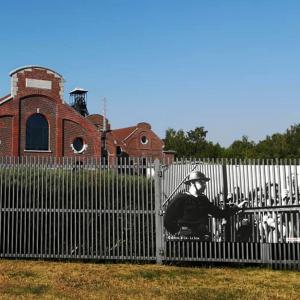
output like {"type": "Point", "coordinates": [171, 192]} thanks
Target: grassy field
{"type": "Point", "coordinates": [55, 280]}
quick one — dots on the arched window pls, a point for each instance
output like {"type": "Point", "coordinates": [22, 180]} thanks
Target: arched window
{"type": "Point", "coordinates": [37, 133]}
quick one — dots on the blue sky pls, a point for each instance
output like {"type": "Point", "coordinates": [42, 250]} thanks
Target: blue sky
{"type": "Point", "coordinates": [230, 66]}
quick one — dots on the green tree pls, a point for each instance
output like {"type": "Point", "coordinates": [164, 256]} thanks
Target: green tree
{"type": "Point", "coordinates": [293, 141]}
{"type": "Point", "coordinates": [192, 143]}
{"type": "Point", "coordinates": [176, 140]}
{"type": "Point", "coordinates": [243, 148]}
{"type": "Point", "coordinates": [197, 135]}
{"type": "Point", "coordinates": [274, 146]}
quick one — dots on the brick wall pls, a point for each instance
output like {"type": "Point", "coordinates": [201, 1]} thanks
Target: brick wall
{"type": "Point", "coordinates": [36, 89]}
{"type": "Point", "coordinates": [131, 142]}
{"type": "Point", "coordinates": [153, 147]}
{"type": "Point", "coordinates": [97, 120]}
{"type": "Point", "coordinates": [73, 130]}
{"type": "Point", "coordinates": [6, 135]}
{"type": "Point", "coordinates": [40, 90]}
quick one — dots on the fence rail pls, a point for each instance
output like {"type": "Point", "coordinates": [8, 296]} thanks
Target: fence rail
{"type": "Point", "coordinates": [62, 208]}
{"type": "Point", "coordinates": [65, 208]}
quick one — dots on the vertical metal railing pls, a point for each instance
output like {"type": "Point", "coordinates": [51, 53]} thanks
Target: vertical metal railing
{"type": "Point", "coordinates": [86, 209]}
{"type": "Point", "coordinates": [267, 231]}
{"type": "Point", "coordinates": [65, 208]}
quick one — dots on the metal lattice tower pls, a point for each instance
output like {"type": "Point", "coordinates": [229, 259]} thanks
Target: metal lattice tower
{"type": "Point", "coordinates": [78, 100]}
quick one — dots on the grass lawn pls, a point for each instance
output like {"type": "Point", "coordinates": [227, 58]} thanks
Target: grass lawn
{"type": "Point", "coordinates": [56, 280]}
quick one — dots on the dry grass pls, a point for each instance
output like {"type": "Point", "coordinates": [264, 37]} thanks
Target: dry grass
{"type": "Point", "coordinates": [53, 280]}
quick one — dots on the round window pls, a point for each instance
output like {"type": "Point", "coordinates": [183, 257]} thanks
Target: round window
{"type": "Point", "coordinates": [78, 144]}
{"type": "Point", "coordinates": [144, 140]}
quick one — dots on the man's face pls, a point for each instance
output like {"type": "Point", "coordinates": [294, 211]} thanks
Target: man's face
{"type": "Point", "coordinates": [200, 186]}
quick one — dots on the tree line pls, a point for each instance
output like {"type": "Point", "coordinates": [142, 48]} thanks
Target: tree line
{"type": "Point", "coordinates": [194, 143]}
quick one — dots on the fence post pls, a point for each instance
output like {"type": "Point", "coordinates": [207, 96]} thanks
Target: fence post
{"type": "Point", "coordinates": [266, 255]}
{"type": "Point", "coordinates": [158, 212]}
{"type": "Point", "coordinates": [225, 180]}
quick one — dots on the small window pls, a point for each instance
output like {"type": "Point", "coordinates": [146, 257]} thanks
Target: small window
{"type": "Point", "coordinates": [144, 140]}
{"type": "Point", "coordinates": [119, 151]}
{"type": "Point", "coordinates": [37, 133]}
{"type": "Point", "coordinates": [78, 144]}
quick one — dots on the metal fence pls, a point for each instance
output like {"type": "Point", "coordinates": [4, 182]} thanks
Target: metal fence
{"type": "Point", "coordinates": [267, 231]}
{"type": "Point", "coordinates": [68, 209]}
{"type": "Point", "coordinates": [52, 208]}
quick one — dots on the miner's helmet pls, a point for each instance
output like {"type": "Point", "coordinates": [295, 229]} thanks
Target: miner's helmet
{"type": "Point", "coordinates": [196, 176]}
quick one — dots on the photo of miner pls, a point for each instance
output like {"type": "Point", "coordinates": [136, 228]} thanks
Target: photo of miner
{"type": "Point", "coordinates": [187, 214]}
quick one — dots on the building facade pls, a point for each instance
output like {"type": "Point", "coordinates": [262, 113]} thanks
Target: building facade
{"type": "Point", "coordinates": [135, 141]}
{"type": "Point", "coordinates": [36, 121]}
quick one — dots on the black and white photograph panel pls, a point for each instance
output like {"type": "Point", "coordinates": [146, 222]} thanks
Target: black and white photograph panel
{"type": "Point", "coordinates": [235, 203]}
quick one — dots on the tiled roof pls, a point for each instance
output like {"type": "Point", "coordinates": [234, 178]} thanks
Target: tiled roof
{"type": "Point", "coordinates": [4, 97]}
{"type": "Point", "coordinates": [122, 133]}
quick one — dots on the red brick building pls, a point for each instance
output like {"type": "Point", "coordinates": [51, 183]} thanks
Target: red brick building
{"type": "Point", "coordinates": [35, 120]}
{"type": "Point", "coordinates": [134, 141]}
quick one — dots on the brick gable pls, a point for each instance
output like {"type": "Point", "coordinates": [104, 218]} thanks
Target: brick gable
{"type": "Point", "coordinates": [40, 90]}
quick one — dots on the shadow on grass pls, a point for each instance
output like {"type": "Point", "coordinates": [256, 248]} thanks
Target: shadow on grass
{"type": "Point", "coordinates": [22, 274]}
{"type": "Point", "coordinates": [159, 274]}
{"type": "Point", "coordinates": [37, 290]}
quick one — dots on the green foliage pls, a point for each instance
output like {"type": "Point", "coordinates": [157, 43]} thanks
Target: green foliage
{"type": "Point", "coordinates": [241, 149]}
{"type": "Point", "coordinates": [191, 144]}
{"type": "Point", "coordinates": [194, 144]}
{"type": "Point", "coordinates": [71, 206]}
{"type": "Point", "coordinates": [292, 137]}
{"type": "Point", "coordinates": [33, 186]}
{"type": "Point", "coordinates": [285, 145]}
